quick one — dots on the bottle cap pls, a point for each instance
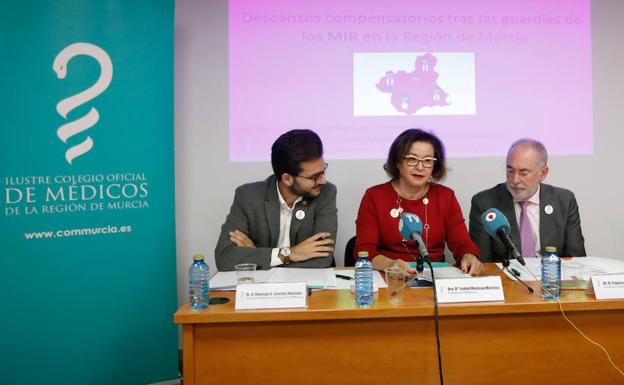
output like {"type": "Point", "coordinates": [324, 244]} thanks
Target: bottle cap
{"type": "Point", "coordinates": [198, 257]}
{"type": "Point", "coordinates": [550, 249]}
{"type": "Point", "coordinates": [363, 254]}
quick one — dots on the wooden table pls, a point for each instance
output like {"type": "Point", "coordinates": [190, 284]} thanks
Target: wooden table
{"type": "Point", "coordinates": [523, 340]}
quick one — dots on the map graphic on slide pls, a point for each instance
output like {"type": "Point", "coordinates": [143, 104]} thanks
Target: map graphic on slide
{"type": "Point", "coordinates": [411, 91]}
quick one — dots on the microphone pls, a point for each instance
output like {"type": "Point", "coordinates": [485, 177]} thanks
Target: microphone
{"type": "Point", "coordinates": [410, 227]}
{"type": "Point", "coordinates": [497, 225]}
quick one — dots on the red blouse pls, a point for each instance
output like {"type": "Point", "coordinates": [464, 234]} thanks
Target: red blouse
{"type": "Point", "coordinates": [378, 232]}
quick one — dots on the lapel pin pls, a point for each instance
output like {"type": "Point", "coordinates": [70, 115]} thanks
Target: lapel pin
{"type": "Point", "coordinates": [300, 214]}
{"type": "Point", "coordinates": [548, 209]}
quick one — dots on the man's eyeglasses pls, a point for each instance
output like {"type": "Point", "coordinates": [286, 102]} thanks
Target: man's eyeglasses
{"type": "Point", "coordinates": [316, 178]}
{"type": "Point", "coordinates": [412, 161]}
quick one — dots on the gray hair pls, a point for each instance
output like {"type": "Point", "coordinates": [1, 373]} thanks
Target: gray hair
{"type": "Point", "coordinates": [535, 145]}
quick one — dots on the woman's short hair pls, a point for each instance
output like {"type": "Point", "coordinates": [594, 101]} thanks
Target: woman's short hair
{"type": "Point", "coordinates": [401, 146]}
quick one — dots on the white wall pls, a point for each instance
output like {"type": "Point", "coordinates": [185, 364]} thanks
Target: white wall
{"type": "Point", "coordinates": [205, 179]}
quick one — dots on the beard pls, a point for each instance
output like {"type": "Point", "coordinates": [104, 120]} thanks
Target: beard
{"type": "Point", "coordinates": [519, 194]}
{"type": "Point", "coordinates": [309, 193]}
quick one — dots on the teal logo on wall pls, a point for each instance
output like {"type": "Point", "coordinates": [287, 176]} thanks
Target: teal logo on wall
{"type": "Point", "coordinates": [65, 106]}
{"type": "Point", "coordinates": [87, 212]}
{"type": "Point", "coordinates": [77, 192]}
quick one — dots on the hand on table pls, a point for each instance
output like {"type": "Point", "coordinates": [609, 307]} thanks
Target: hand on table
{"type": "Point", "coordinates": [471, 265]}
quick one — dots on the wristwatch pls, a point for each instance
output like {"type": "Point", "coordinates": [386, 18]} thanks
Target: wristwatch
{"type": "Point", "coordinates": [284, 255]}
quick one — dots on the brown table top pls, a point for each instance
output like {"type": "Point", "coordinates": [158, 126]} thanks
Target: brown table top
{"type": "Point", "coordinates": [417, 302]}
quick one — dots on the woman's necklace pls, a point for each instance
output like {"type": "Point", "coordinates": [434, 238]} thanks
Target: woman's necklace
{"type": "Point", "coordinates": [421, 193]}
{"type": "Point", "coordinates": [396, 212]}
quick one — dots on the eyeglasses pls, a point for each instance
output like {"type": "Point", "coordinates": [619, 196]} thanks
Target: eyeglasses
{"type": "Point", "coordinates": [316, 178]}
{"type": "Point", "coordinates": [412, 161]}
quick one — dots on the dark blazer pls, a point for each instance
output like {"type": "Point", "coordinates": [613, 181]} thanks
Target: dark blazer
{"type": "Point", "coordinates": [561, 228]}
{"type": "Point", "coordinates": [256, 212]}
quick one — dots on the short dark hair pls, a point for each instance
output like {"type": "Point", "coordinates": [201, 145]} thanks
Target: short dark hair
{"type": "Point", "coordinates": [292, 148]}
{"type": "Point", "coordinates": [401, 145]}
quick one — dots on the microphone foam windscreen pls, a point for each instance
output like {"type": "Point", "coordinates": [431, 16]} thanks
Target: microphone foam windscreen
{"type": "Point", "coordinates": [408, 224]}
{"type": "Point", "coordinates": [494, 220]}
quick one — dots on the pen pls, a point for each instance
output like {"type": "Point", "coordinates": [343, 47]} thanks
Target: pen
{"type": "Point", "coordinates": [344, 277]}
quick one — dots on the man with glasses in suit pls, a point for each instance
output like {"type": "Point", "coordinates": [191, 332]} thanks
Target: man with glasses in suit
{"type": "Point", "coordinates": [289, 219]}
{"type": "Point", "coordinates": [539, 214]}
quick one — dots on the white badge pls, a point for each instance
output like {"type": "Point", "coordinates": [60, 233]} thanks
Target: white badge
{"type": "Point", "coordinates": [271, 295]}
{"type": "Point", "coordinates": [607, 286]}
{"type": "Point", "coordinates": [394, 213]}
{"type": "Point", "coordinates": [474, 289]}
{"type": "Point", "coordinates": [300, 214]}
{"type": "Point", "coordinates": [426, 201]}
{"type": "Point", "coordinates": [548, 209]}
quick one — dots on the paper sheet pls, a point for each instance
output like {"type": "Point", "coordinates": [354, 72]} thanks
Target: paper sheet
{"type": "Point", "coordinates": [531, 272]}
{"type": "Point", "coordinates": [442, 273]}
{"type": "Point", "coordinates": [591, 266]}
{"type": "Point", "coordinates": [378, 281]}
{"type": "Point", "coordinates": [315, 278]}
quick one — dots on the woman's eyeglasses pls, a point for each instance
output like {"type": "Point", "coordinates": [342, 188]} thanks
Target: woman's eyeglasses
{"type": "Point", "coordinates": [412, 161]}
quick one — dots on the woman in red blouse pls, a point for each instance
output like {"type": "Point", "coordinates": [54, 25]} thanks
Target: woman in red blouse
{"type": "Point", "coordinates": [415, 162]}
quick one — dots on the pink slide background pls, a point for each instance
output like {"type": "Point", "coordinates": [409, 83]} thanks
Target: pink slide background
{"type": "Point", "coordinates": [292, 66]}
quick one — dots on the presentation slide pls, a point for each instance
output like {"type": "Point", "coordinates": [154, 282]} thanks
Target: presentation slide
{"type": "Point", "coordinates": [479, 74]}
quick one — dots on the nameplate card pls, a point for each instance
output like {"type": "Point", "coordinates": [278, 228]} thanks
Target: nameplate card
{"type": "Point", "coordinates": [608, 286]}
{"type": "Point", "coordinates": [475, 289]}
{"type": "Point", "coordinates": [271, 295]}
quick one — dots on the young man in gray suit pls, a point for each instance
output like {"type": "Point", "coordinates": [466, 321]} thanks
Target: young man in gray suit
{"type": "Point", "coordinates": [289, 219]}
{"type": "Point", "coordinates": [540, 215]}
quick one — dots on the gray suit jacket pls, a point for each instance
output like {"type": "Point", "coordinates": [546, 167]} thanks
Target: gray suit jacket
{"type": "Point", "coordinates": [256, 212]}
{"type": "Point", "coordinates": [561, 228]}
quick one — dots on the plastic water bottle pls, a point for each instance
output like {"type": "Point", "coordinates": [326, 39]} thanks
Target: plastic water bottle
{"type": "Point", "coordinates": [551, 273]}
{"type": "Point", "coordinates": [363, 280]}
{"type": "Point", "coordinates": [198, 283]}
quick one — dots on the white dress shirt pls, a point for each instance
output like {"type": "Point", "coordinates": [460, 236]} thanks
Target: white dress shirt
{"type": "Point", "coordinates": [286, 214]}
